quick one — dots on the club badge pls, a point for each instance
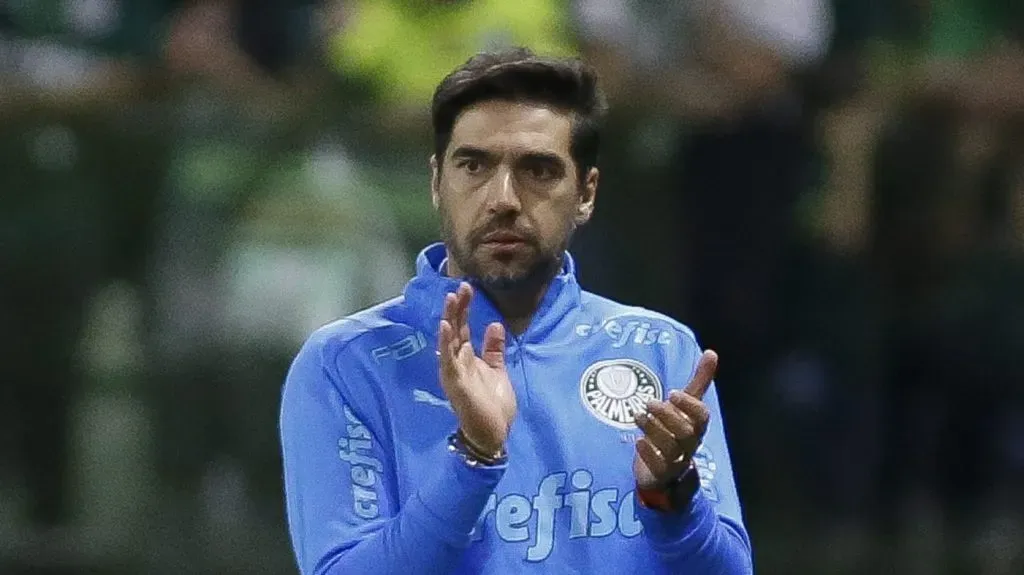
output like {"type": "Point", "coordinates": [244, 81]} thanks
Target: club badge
{"type": "Point", "coordinates": [615, 391]}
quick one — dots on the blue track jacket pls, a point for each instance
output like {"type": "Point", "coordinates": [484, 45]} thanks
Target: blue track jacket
{"type": "Point", "coordinates": [372, 488]}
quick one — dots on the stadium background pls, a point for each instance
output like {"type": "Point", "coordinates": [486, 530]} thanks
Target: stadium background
{"type": "Point", "coordinates": [831, 192]}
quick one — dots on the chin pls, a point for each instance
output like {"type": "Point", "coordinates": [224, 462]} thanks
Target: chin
{"type": "Point", "coordinates": [502, 279]}
{"type": "Point", "coordinates": [502, 276]}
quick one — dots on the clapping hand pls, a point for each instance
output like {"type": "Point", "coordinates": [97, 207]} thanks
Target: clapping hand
{"type": "Point", "coordinates": [673, 429]}
{"type": "Point", "coordinates": [478, 387]}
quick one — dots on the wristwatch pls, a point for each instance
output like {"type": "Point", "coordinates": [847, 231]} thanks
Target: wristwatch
{"type": "Point", "coordinates": [673, 497]}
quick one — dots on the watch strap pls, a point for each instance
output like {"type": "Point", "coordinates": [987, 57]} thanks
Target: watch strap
{"type": "Point", "coordinates": [673, 497]}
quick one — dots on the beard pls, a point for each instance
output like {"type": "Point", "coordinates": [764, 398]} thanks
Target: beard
{"type": "Point", "coordinates": [528, 269]}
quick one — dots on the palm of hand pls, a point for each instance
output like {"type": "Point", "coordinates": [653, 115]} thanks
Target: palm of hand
{"type": "Point", "coordinates": [491, 401]}
{"type": "Point", "coordinates": [478, 387]}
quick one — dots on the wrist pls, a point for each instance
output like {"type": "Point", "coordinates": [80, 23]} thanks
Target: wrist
{"type": "Point", "coordinates": [673, 497]}
{"type": "Point", "coordinates": [482, 448]}
{"type": "Point", "coordinates": [473, 453]}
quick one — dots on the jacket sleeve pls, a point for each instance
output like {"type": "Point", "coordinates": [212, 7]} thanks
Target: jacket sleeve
{"type": "Point", "coordinates": [708, 536]}
{"type": "Point", "coordinates": [341, 487]}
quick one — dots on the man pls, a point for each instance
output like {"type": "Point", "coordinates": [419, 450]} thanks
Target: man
{"type": "Point", "coordinates": [549, 431]}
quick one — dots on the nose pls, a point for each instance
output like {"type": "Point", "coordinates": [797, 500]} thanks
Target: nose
{"type": "Point", "coordinates": [502, 194]}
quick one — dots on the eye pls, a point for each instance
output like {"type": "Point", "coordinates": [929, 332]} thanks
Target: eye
{"type": "Point", "coordinates": [541, 170]}
{"type": "Point", "coordinates": [471, 165]}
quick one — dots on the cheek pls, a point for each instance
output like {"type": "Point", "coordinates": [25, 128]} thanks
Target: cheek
{"type": "Point", "coordinates": [459, 217]}
{"type": "Point", "coordinates": [553, 221]}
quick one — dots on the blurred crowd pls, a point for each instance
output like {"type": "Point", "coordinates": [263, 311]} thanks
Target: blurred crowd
{"type": "Point", "coordinates": [830, 192]}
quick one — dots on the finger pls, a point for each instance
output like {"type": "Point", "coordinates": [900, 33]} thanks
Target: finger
{"type": "Point", "coordinates": [463, 296]}
{"type": "Point", "coordinates": [674, 421]}
{"type": "Point", "coordinates": [658, 436]}
{"type": "Point", "coordinates": [693, 408]}
{"type": "Point", "coordinates": [451, 310]}
{"type": "Point", "coordinates": [706, 367]}
{"type": "Point", "coordinates": [452, 346]}
{"type": "Point", "coordinates": [494, 345]}
{"type": "Point", "coordinates": [448, 309]}
{"type": "Point", "coordinates": [465, 292]}
{"type": "Point", "coordinates": [449, 350]}
{"type": "Point", "coordinates": [444, 349]}
{"type": "Point", "coordinates": [460, 305]}
{"type": "Point", "coordinates": [655, 462]}
{"type": "Point", "coordinates": [451, 313]}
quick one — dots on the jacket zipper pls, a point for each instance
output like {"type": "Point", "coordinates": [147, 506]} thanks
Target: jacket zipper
{"type": "Point", "coordinates": [515, 361]}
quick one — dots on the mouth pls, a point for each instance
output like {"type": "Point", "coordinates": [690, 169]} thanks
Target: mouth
{"type": "Point", "coordinates": [503, 239]}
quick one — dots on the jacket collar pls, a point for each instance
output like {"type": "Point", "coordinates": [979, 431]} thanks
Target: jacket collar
{"type": "Point", "coordinates": [425, 293]}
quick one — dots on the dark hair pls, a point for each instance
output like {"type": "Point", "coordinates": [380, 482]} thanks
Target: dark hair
{"type": "Point", "coordinates": [520, 75]}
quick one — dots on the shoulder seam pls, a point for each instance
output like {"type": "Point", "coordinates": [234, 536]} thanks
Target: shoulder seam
{"type": "Point", "coordinates": [331, 368]}
{"type": "Point", "coordinates": [348, 342]}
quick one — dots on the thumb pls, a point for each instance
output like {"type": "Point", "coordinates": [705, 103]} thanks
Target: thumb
{"type": "Point", "coordinates": [494, 346]}
{"type": "Point", "coordinates": [705, 373]}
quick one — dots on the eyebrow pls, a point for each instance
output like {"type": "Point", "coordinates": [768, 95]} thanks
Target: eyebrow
{"type": "Point", "coordinates": [470, 152]}
{"type": "Point", "coordinates": [535, 156]}
{"type": "Point", "coordinates": [544, 157]}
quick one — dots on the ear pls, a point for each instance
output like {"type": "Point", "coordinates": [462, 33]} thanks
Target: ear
{"type": "Point", "coordinates": [435, 183]}
{"type": "Point", "coordinates": [588, 195]}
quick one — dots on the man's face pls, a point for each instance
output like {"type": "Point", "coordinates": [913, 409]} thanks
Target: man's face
{"type": "Point", "coordinates": [509, 193]}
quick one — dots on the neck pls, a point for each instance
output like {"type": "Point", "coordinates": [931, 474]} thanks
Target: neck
{"type": "Point", "coordinates": [518, 306]}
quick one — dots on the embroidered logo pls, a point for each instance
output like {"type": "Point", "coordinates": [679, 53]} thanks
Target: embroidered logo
{"type": "Point", "coordinates": [615, 391]}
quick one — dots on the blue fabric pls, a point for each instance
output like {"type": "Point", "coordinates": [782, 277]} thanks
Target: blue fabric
{"type": "Point", "coordinates": [372, 488]}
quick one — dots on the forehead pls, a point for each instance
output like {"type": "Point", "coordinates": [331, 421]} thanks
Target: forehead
{"type": "Point", "coordinates": [504, 127]}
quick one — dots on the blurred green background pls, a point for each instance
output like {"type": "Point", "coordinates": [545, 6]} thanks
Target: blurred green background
{"type": "Point", "coordinates": [830, 192]}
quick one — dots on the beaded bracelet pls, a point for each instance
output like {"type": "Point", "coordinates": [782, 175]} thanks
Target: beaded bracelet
{"type": "Point", "coordinates": [472, 455]}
